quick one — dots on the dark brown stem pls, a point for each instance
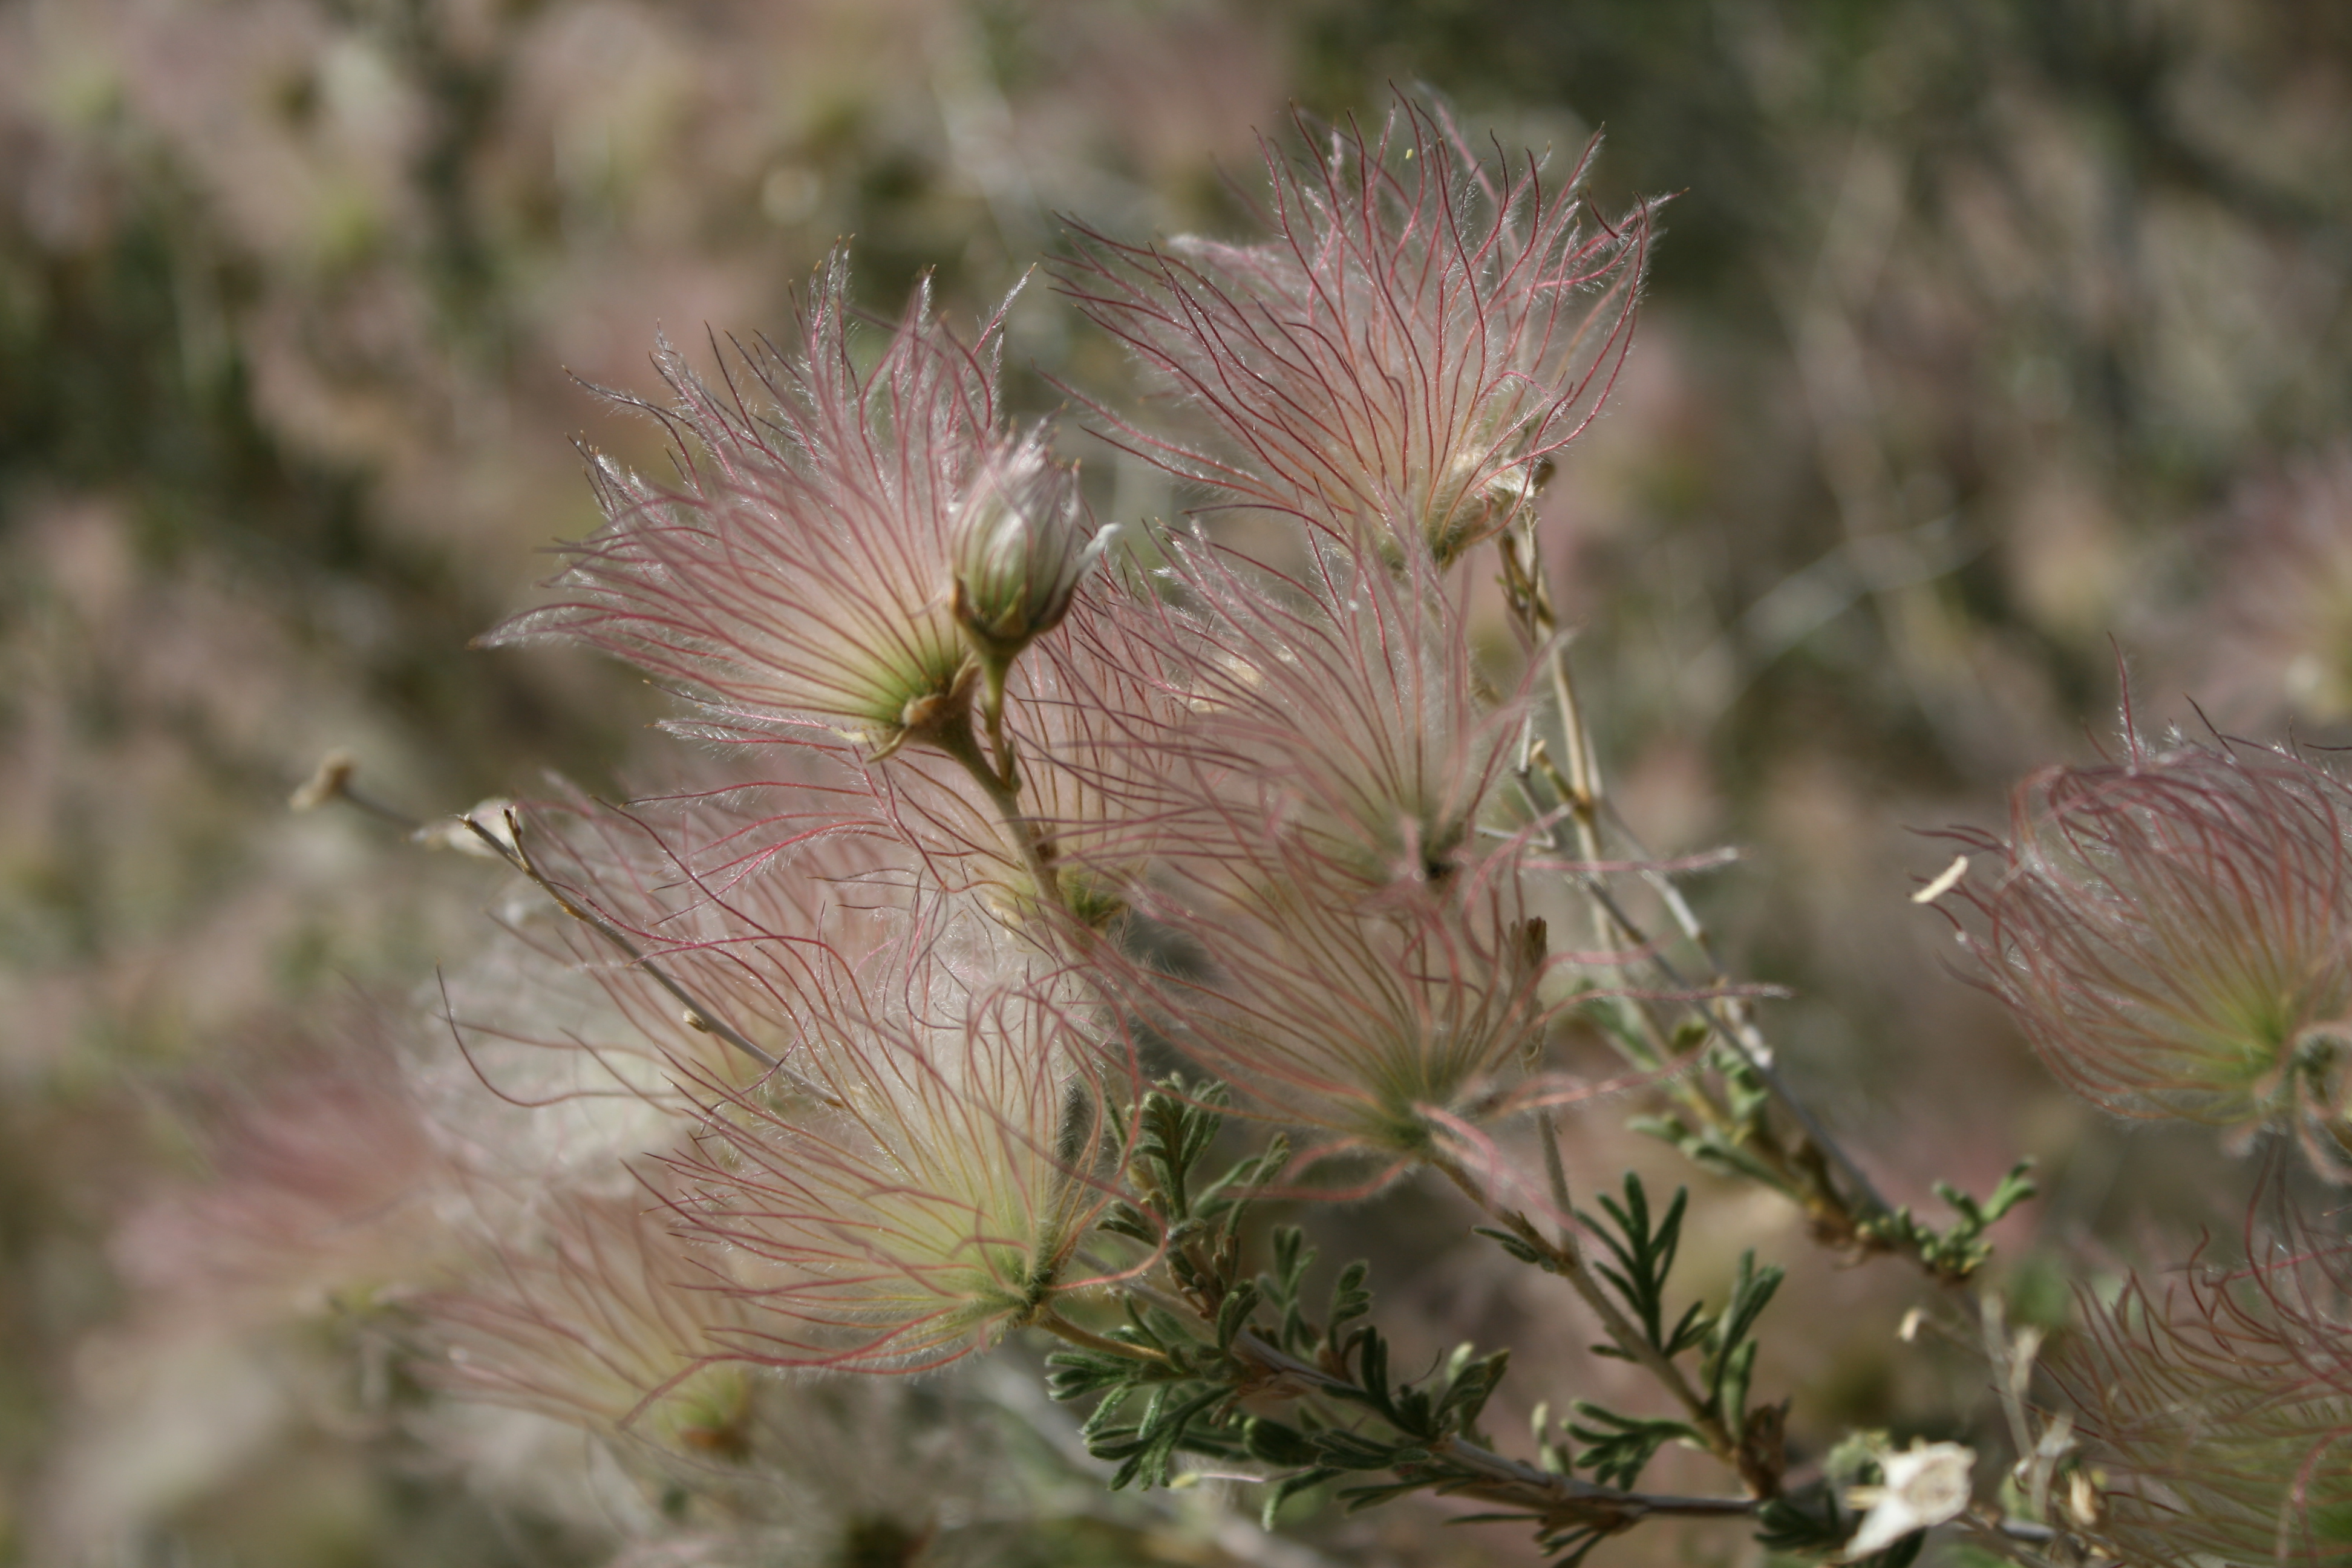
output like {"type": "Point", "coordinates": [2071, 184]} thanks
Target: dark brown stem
{"type": "Point", "coordinates": [1558, 1499]}
{"type": "Point", "coordinates": [2013, 1540]}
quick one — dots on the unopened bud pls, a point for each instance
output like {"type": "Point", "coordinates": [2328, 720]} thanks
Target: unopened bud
{"type": "Point", "coordinates": [1019, 550]}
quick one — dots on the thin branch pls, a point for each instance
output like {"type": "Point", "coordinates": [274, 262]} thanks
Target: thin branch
{"type": "Point", "coordinates": [1502, 1479]}
{"type": "Point", "coordinates": [1061, 1328]}
{"type": "Point", "coordinates": [333, 781]}
{"type": "Point", "coordinates": [1579, 792]}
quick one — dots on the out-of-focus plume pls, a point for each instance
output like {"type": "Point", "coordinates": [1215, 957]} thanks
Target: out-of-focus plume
{"type": "Point", "coordinates": [2285, 606]}
{"type": "Point", "coordinates": [2174, 933]}
{"type": "Point", "coordinates": [326, 1182]}
{"type": "Point", "coordinates": [2218, 1408]}
{"type": "Point", "coordinates": [612, 1324]}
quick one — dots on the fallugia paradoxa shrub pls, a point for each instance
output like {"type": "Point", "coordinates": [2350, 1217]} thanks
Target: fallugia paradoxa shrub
{"type": "Point", "coordinates": [1062, 889]}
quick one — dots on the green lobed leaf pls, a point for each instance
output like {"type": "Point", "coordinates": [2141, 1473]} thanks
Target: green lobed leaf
{"type": "Point", "coordinates": [1617, 1449]}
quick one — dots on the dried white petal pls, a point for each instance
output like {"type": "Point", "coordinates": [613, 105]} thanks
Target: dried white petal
{"type": "Point", "coordinates": [1926, 1484]}
{"type": "Point", "coordinates": [1946, 880]}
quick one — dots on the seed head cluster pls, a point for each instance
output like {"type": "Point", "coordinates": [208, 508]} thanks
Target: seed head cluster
{"type": "Point", "coordinates": [821, 1061]}
{"type": "Point", "coordinates": [835, 1058]}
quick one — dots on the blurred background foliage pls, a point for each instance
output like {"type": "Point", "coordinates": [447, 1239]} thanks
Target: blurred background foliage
{"type": "Point", "coordinates": [1990, 348]}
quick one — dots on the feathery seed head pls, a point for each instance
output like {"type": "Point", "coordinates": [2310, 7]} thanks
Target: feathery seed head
{"type": "Point", "coordinates": [2220, 1411]}
{"type": "Point", "coordinates": [665, 958]}
{"type": "Point", "coordinates": [1376, 1020]}
{"type": "Point", "coordinates": [795, 574]}
{"type": "Point", "coordinates": [930, 1189]}
{"type": "Point", "coordinates": [1349, 708]}
{"type": "Point", "coordinates": [881, 1114]}
{"type": "Point", "coordinates": [613, 1324]}
{"type": "Point", "coordinates": [1422, 334]}
{"type": "Point", "coordinates": [738, 898]}
{"type": "Point", "coordinates": [1355, 958]}
{"type": "Point", "coordinates": [2174, 934]}
{"type": "Point", "coordinates": [1093, 716]}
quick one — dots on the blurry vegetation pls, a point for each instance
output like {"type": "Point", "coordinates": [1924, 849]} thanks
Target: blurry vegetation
{"type": "Point", "coordinates": [1977, 337]}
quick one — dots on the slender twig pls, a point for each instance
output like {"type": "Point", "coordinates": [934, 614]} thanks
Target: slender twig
{"type": "Point", "coordinates": [1727, 1018]}
{"type": "Point", "coordinates": [1579, 792]}
{"type": "Point", "coordinates": [333, 781]}
{"type": "Point", "coordinates": [2005, 1355]}
{"type": "Point", "coordinates": [956, 741]}
{"type": "Point", "coordinates": [1556, 1177]}
{"type": "Point", "coordinates": [1544, 1490]}
{"type": "Point", "coordinates": [1549, 1493]}
{"type": "Point", "coordinates": [1061, 1328]}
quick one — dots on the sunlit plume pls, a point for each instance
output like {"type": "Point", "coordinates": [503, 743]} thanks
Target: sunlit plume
{"type": "Point", "coordinates": [799, 572]}
{"type": "Point", "coordinates": [1420, 336]}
